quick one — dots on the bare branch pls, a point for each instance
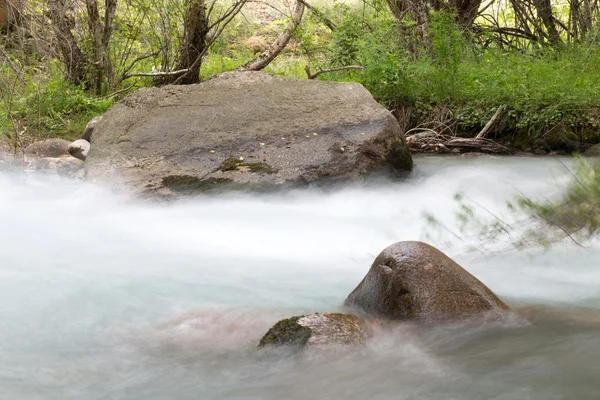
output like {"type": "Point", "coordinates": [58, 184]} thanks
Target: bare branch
{"type": "Point", "coordinates": [326, 71]}
{"type": "Point", "coordinates": [158, 74]}
{"type": "Point", "coordinates": [488, 126]}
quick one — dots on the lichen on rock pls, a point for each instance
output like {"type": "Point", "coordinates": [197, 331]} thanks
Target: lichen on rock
{"type": "Point", "coordinates": [320, 329]}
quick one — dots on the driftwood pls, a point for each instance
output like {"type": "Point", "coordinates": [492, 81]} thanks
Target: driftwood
{"type": "Point", "coordinates": [477, 144]}
{"type": "Point", "coordinates": [429, 141]}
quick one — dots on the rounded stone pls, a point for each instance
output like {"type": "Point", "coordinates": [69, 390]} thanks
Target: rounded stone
{"type": "Point", "coordinates": [79, 149]}
{"type": "Point", "coordinates": [415, 281]}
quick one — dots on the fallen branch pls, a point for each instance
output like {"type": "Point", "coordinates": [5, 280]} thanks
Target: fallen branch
{"type": "Point", "coordinates": [478, 144]}
{"type": "Point", "coordinates": [488, 126]}
{"type": "Point", "coordinates": [155, 74]}
{"type": "Point", "coordinates": [326, 71]}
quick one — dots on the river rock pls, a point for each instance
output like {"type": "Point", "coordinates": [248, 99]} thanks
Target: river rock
{"type": "Point", "coordinates": [88, 132]}
{"type": "Point", "coordinates": [79, 149]}
{"type": "Point", "coordinates": [67, 166]}
{"type": "Point", "coordinates": [244, 130]}
{"type": "Point", "coordinates": [48, 148]}
{"type": "Point", "coordinates": [326, 329]}
{"type": "Point", "coordinates": [415, 281]}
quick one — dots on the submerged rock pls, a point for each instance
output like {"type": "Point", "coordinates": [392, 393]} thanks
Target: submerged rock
{"type": "Point", "coordinates": [79, 149]}
{"type": "Point", "coordinates": [244, 130]}
{"type": "Point", "coordinates": [326, 329]}
{"type": "Point", "coordinates": [67, 167]}
{"type": "Point", "coordinates": [415, 281]}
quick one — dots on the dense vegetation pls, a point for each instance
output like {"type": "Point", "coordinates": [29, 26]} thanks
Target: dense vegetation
{"type": "Point", "coordinates": [448, 70]}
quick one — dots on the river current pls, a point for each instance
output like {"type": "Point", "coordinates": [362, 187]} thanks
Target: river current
{"type": "Point", "coordinates": [102, 297]}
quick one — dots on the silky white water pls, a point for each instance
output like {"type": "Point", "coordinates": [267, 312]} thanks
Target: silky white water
{"type": "Point", "coordinates": [102, 297]}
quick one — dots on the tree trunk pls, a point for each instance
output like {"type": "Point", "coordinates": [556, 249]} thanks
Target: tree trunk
{"type": "Point", "coordinates": [74, 59]}
{"type": "Point", "coordinates": [278, 45]}
{"type": "Point", "coordinates": [11, 16]}
{"type": "Point", "coordinates": [418, 10]}
{"type": "Point", "coordinates": [467, 11]}
{"type": "Point", "coordinates": [544, 11]}
{"type": "Point", "coordinates": [193, 44]}
{"type": "Point", "coordinates": [101, 33]}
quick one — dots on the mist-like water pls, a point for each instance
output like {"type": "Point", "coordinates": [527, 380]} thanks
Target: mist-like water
{"type": "Point", "coordinates": [105, 298]}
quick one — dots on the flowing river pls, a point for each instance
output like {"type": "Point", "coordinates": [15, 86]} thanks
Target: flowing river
{"type": "Point", "coordinates": [105, 298]}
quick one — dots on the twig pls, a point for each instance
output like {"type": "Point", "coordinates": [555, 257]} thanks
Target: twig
{"type": "Point", "coordinates": [140, 58]}
{"type": "Point", "coordinates": [488, 126]}
{"type": "Point", "coordinates": [326, 71]}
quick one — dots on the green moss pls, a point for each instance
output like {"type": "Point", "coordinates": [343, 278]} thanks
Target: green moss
{"type": "Point", "coordinates": [187, 183]}
{"type": "Point", "coordinates": [232, 164]}
{"type": "Point", "coordinates": [287, 332]}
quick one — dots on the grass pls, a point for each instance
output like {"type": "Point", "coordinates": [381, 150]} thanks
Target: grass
{"type": "Point", "coordinates": [39, 103]}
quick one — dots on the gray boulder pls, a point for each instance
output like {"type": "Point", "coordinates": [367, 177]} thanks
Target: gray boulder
{"type": "Point", "coordinates": [415, 281]}
{"type": "Point", "coordinates": [79, 149]}
{"type": "Point", "coordinates": [48, 148]}
{"type": "Point", "coordinates": [326, 329]}
{"type": "Point", "coordinates": [89, 128]}
{"type": "Point", "coordinates": [244, 129]}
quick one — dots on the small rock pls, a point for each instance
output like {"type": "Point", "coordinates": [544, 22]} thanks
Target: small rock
{"type": "Point", "coordinates": [48, 148]}
{"type": "Point", "coordinates": [326, 329]}
{"type": "Point", "coordinates": [89, 128]}
{"type": "Point", "coordinates": [79, 149]}
{"type": "Point", "coordinates": [415, 281]}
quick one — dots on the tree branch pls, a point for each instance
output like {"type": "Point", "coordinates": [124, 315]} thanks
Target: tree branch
{"type": "Point", "coordinates": [326, 71]}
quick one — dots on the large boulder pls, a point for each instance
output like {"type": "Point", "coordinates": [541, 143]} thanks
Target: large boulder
{"type": "Point", "coordinates": [415, 281]}
{"type": "Point", "coordinates": [48, 148]}
{"type": "Point", "coordinates": [321, 329]}
{"type": "Point", "coordinates": [244, 129]}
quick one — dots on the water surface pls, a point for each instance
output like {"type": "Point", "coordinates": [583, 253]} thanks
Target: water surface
{"type": "Point", "coordinates": [105, 298]}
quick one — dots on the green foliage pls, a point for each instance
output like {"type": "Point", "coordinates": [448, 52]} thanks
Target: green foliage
{"type": "Point", "coordinates": [577, 212]}
{"type": "Point", "coordinates": [446, 42]}
{"type": "Point", "coordinates": [43, 104]}
{"type": "Point", "coordinates": [546, 94]}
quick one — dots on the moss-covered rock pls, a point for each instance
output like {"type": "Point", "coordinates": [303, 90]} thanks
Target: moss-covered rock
{"type": "Point", "coordinates": [321, 329]}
